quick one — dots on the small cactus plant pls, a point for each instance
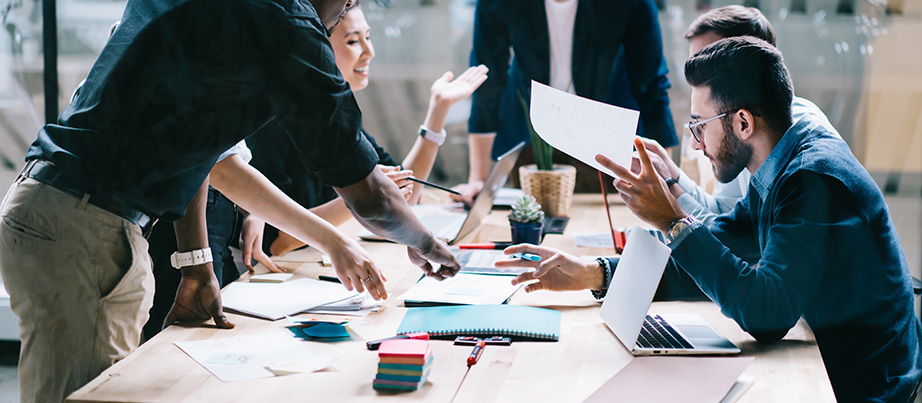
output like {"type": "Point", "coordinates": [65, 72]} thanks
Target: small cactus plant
{"type": "Point", "coordinates": [526, 210]}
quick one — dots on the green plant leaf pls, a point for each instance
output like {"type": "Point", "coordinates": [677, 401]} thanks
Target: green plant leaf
{"type": "Point", "coordinates": [543, 152]}
{"type": "Point", "coordinates": [526, 210]}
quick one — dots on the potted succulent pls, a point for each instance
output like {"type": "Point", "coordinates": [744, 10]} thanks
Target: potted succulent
{"type": "Point", "coordinates": [526, 221]}
{"type": "Point", "coordinates": [551, 184]}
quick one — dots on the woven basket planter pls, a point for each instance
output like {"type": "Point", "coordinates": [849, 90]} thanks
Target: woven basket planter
{"type": "Point", "coordinates": [553, 189]}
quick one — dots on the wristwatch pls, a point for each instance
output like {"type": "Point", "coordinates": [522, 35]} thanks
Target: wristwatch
{"type": "Point", "coordinates": [191, 258]}
{"type": "Point", "coordinates": [670, 182]}
{"type": "Point", "coordinates": [436, 137]}
{"type": "Point", "coordinates": [679, 225]}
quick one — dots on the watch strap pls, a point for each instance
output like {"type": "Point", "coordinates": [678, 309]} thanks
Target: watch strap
{"type": "Point", "coordinates": [436, 137]}
{"type": "Point", "coordinates": [670, 182]}
{"type": "Point", "coordinates": [679, 227]}
{"type": "Point", "coordinates": [191, 258]}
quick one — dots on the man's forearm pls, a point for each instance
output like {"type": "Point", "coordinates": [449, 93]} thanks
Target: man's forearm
{"type": "Point", "coordinates": [191, 229]}
{"type": "Point", "coordinates": [379, 206]}
{"type": "Point", "coordinates": [248, 188]}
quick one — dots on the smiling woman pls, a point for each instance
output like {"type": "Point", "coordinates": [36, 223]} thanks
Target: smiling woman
{"type": "Point", "coordinates": [274, 155]}
{"type": "Point", "coordinates": [351, 41]}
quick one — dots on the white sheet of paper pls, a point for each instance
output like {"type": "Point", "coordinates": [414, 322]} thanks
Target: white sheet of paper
{"type": "Point", "coordinates": [582, 127]}
{"type": "Point", "coordinates": [593, 239]}
{"type": "Point", "coordinates": [274, 301]}
{"type": "Point", "coordinates": [246, 357]}
{"type": "Point", "coordinates": [463, 288]}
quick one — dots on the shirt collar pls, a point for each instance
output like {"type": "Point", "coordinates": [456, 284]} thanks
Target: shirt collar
{"type": "Point", "coordinates": [764, 177]}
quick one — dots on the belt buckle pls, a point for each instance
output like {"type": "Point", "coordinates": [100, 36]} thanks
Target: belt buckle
{"type": "Point", "coordinates": [26, 170]}
{"type": "Point", "coordinates": [148, 228]}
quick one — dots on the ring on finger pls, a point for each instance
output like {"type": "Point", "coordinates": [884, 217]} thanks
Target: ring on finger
{"type": "Point", "coordinates": [367, 280]}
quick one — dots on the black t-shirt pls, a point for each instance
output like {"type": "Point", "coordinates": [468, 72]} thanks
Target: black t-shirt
{"type": "Point", "coordinates": [276, 157]}
{"type": "Point", "coordinates": [180, 82]}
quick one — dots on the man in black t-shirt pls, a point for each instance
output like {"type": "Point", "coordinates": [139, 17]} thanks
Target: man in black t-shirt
{"type": "Point", "coordinates": [178, 83]}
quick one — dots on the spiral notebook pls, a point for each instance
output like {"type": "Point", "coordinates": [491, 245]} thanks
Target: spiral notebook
{"type": "Point", "coordinates": [516, 321]}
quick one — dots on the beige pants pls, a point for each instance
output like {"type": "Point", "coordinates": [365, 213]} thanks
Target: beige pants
{"type": "Point", "coordinates": [79, 280]}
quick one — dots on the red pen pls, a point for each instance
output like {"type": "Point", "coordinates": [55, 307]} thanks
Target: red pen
{"type": "Point", "coordinates": [485, 245]}
{"type": "Point", "coordinates": [374, 344]}
{"type": "Point", "coordinates": [475, 355]}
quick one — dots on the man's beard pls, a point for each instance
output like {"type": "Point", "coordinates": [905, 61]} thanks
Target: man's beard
{"type": "Point", "coordinates": [732, 156]}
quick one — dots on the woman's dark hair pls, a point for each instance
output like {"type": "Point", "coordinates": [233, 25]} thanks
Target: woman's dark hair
{"type": "Point", "coordinates": [745, 73]}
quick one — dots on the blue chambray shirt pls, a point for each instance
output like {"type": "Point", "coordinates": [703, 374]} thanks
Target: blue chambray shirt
{"type": "Point", "coordinates": [827, 251]}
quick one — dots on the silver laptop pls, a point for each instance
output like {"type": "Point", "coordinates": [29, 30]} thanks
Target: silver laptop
{"type": "Point", "coordinates": [451, 226]}
{"type": "Point", "coordinates": [630, 294]}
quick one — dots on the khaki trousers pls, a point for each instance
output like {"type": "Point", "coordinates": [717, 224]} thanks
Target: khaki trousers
{"type": "Point", "coordinates": [79, 280]}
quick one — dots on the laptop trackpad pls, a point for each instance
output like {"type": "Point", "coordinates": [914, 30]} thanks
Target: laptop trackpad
{"type": "Point", "coordinates": [698, 332]}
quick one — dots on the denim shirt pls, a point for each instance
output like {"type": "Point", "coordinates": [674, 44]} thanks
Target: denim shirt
{"type": "Point", "coordinates": [827, 251]}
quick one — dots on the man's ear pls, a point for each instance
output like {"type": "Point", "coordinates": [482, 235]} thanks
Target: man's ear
{"type": "Point", "coordinates": [743, 124]}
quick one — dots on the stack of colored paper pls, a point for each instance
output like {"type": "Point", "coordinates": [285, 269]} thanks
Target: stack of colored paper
{"type": "Point", "coordinates": [403, 364]}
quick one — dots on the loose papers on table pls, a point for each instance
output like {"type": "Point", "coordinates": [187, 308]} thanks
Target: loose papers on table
{"type": "Point", "coordinates": [274, 301]}
{"type": "Point", "coordinates": [256, 356]}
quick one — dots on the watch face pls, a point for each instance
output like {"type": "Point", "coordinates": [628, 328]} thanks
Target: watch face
{"type": "Point", "coordinates": [677, 228]}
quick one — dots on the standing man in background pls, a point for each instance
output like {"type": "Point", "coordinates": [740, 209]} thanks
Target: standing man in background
{"type": "Point", "coordinates": [604, 50]}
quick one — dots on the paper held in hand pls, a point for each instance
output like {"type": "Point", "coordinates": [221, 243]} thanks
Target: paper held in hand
{"type": "Point", "coordinates": [582, 127]}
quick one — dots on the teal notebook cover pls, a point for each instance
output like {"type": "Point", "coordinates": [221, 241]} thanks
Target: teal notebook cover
{"type": "Point", "coordinates": [517, 321]}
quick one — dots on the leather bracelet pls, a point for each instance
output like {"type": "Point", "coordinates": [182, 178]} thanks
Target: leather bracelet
{"type": "Point", "coordinates": [606, 278]}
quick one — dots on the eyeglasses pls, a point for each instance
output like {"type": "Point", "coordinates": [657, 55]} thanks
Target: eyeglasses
{"type": "Point", "coordinates": [695, 126]}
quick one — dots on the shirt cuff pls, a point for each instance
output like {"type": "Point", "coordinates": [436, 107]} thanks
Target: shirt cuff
{"type": "Point", "coordinates": [686, 183]}
{"type": "Point", "coordinates": [684, 234]}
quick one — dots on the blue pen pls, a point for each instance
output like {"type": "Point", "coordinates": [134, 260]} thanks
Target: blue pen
{"type": "Point", "coordinates": [527, 256]}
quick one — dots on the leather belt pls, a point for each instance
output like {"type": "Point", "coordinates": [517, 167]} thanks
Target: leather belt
{"type": "Point", "coordinates": [47, 173]}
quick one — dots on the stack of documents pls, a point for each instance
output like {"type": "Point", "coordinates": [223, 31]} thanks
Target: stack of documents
{"type": "Point", "coordinates": [403, 364]}
{"type": "Point", "coordinates": [462, 289]}
{"type": "Point", "coordinates": [359, 305]}
{"type": "Point", "coordinates": [275, 301]}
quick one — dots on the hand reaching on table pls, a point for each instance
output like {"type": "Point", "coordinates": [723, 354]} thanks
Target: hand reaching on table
{"type": "Point", "coordinates": [355, 269]}
{"type": "Point", "coordinates": [198, 298]}
{"type": "Point", "coordinates": [439, 254]}
{"type": "Point", "coordinates": [251, 242]}
{"type": "Point", "coordinates": [557, 270]}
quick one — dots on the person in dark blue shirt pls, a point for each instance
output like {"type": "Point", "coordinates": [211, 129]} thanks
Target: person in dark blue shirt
{"type": "Point", "coordinates": [607, 51]}
{"type": "Point", "coordinates": [179, 83]}
{"type": "Point", "coordinates": [813, 221]}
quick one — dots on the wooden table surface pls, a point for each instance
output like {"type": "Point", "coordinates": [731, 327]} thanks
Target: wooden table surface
{"type": "Point", "coordinates": [570, 370]}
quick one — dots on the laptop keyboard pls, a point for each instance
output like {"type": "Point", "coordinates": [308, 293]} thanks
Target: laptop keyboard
{"type": "Point", "coordinates": [657, 333]}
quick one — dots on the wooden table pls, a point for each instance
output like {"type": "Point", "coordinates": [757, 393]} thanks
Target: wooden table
{"type": "Point", "coordinates": [570, 370]}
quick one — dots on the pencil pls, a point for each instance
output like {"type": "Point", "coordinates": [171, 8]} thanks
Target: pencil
{"type": "Point", "coordinates": [440, 187]}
